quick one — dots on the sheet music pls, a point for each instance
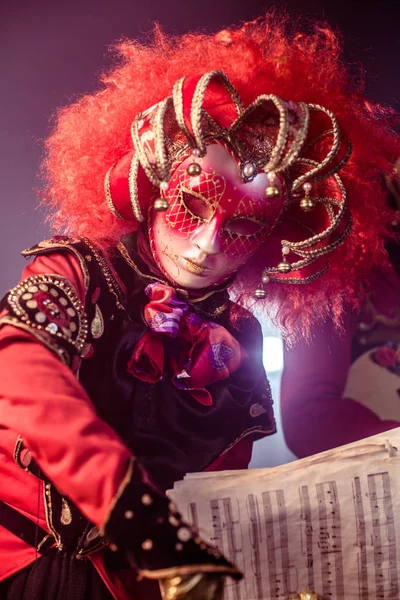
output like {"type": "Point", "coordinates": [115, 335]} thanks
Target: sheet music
{"type": "Point", "coordinates": [330, 523]}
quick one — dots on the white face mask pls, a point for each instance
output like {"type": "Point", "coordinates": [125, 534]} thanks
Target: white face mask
{"type": "Point", "coordinates": [214, 222]}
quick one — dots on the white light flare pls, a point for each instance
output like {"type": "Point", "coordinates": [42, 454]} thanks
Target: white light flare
{"type": "Point", "coordinates": [273, 354]}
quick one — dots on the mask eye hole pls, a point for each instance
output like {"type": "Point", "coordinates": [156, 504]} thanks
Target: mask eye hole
{"type": "Point", "coordinates": [243, 226]}
{"type": "Point", "coordinates": [196, 206]}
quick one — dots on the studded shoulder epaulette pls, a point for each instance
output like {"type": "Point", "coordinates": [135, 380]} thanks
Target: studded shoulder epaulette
{"type": "Point", "coordinates": [48, 306]}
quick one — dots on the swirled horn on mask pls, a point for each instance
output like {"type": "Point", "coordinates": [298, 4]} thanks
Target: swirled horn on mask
{"type": "Point", "coordinates": [300, 146]}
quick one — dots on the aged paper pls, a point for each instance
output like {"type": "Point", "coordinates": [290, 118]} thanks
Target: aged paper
{"type": "Point", "coordinates": [330, 523]}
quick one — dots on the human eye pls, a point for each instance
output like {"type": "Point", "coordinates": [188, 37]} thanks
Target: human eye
{"type": "Point", "coordinates": [244, 226]}
{"type": "Point", "coordinates": [196, 205]}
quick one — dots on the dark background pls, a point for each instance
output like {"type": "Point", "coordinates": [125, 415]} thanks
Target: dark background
{"type": "Point", "coordinates": [53, 51]}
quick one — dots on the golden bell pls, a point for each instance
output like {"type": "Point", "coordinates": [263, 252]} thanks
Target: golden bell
{"type": "Point", "coordinates": [194, 169]}
{"type": "Point", "coordinates": [260, 293]}
{"type": "Point", "coordinates": [284, 267]}
{"type": "Point", "coordinates": [272, 191]}
{"type": "Point", "coordinates": [160, 205]}
{"type": "Point", "coordinates": [307, 204]}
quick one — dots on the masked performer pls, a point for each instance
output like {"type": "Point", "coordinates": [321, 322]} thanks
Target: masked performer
{"type": "Point", "coordinates": [206, 165]}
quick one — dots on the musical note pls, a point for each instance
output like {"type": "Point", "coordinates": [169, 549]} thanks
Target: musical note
{"type": "Point", "coordinates": [330, 539]}
{"type": "Point", "coordinates": [383, 535]}
{"type": "Point", "coordinates": [255, 540]}
{"type": "Point", "coordinates": [307, 532]}
{"type": "Point", "coordinates": [361, 539]}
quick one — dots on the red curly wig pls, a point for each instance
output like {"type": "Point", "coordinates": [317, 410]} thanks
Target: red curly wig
{"type": "Point", "coordinates": [264, 56]}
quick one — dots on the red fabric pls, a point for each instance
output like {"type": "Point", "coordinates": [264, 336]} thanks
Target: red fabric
{"type": "Point", "coordinates": [217, 102]}
{"type": "Point", "coordinates": [238, 457]}
{"type": "Point", "coordinates": [315, 415]}
{"type": "Point", "coordinates": [204, 352]}
{"type": "Point", "coordinates": [120, 189]}
{"type": "Point", "coordinates": [41, 400]}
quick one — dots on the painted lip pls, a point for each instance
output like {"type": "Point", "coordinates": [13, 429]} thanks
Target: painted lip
{"type": "Point", "coordinates": [194, 267]}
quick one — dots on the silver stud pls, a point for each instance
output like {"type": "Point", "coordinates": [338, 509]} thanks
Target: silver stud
{"type": "Point", "coordinates": [178, 547]}
{"type": "Point", "coordinates": [52, 328]}
{"type": "Point", "coordinates": [196, 152]}
{"type": "Point", "coordinates": [173, 521]}
{"type": "Point", "coordinates": [184, 534]}
{"type": "Point", "coordinates": [113, 548]}
{"type": "Point", "coordinates": [307, 187]}
{"type": "Point", "coordinates": [128, 514]}
{"type": "Point", "coordinates": [285, 250]}
{"type": "Point", "coordinates": [265, 279]}
{"type": "Point", "coordinates": [147, 499]}
{"type": "Point", "coordinates": [40, 317]}
{"type": "Point", "coordinates": [164, 185]}
{"type": "Point", "coordinates": [147, 545]}
{"type": "Point", "coordinates": [31, 304]}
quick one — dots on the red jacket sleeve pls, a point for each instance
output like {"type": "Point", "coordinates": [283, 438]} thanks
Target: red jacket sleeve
{"type": "Point", "coordinates": [41, 400]}
{"type": "Point", "coordinates": [315, 415]}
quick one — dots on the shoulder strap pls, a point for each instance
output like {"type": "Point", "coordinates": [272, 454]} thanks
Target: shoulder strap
{"type": "Point", "coordinates": [24, 528]}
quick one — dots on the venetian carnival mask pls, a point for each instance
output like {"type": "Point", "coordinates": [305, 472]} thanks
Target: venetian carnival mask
{"type": "Point", "coordinates": [212, 179]}
{"type": "Point", "coordinates": [215, 219]}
